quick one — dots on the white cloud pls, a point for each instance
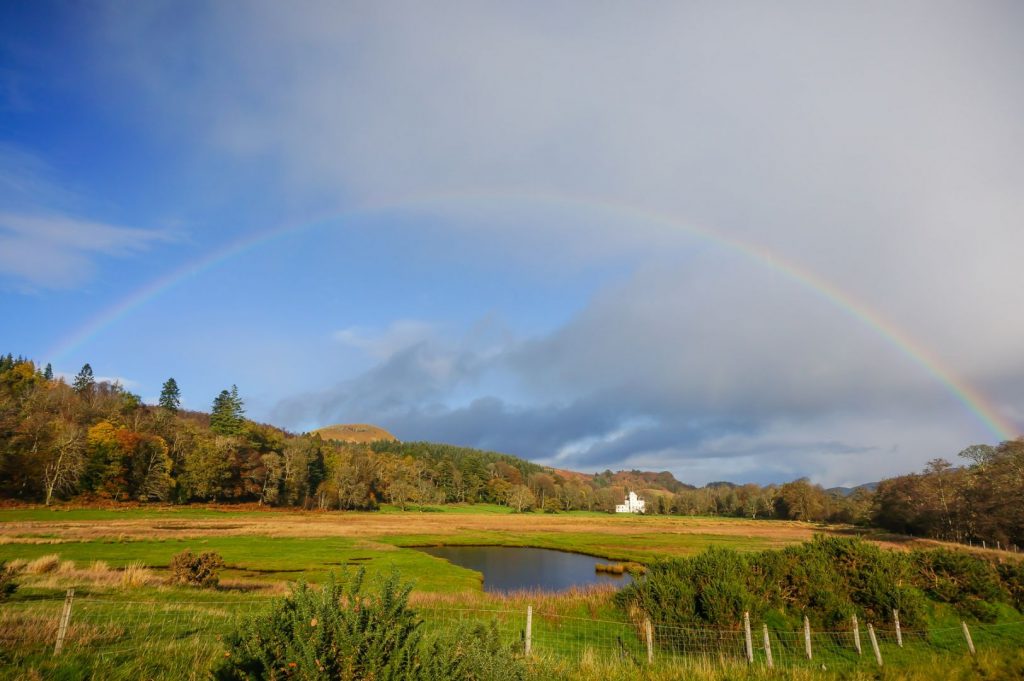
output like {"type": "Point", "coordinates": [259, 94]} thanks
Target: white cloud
{"type": "Point", "coordinates": [58, 251]}
{"type": "Point", "coordinates": [120, 380]}
{"type": "Point", "coordinates": [399, 335]}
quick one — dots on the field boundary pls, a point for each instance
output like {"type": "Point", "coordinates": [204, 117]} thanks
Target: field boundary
{"type": "Point", "coordinates": [113, 629]}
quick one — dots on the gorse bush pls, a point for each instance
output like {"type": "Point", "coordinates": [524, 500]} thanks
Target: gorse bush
{"type": "Point", "coordinates": [196, 570]}
{"type": "Point", "coordinates": [472, 652]}
{"type": "Point", "coordinates": [341, 632]}
{"type": "Point", "coordinates": [973, 586]}
{"type": "Point", "coordinates": [828, 580]}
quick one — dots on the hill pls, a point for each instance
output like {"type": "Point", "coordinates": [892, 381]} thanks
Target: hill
{"type": "Point", "coordinates": [355, 432]}
{"type": "Point", "coordinates": [847, 491]}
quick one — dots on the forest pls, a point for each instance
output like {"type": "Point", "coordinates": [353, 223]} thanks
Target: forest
{"type": "Point", "coordinates": [91, 441]}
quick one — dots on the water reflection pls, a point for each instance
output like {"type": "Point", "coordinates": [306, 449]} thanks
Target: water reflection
{"type": "Point", "coordinates": [508, 568]}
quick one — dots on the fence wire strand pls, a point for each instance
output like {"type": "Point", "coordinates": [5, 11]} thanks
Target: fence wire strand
{"type": "Point", "coordinates": [111, 629]}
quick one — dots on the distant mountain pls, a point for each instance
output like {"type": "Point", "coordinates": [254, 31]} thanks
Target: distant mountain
{"type": "Point", "coordinates": [847, 491]}
{"type": "Point", "coordinates": [355, 432]}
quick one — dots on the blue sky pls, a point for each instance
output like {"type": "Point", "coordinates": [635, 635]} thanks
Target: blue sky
{"type": "Point", "coordinates": [516, 226]}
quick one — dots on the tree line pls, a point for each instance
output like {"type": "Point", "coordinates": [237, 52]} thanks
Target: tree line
{"type": "Point", "coordinates": [977, 502]}
{"type": "Point", "coordinates": [95, 441]}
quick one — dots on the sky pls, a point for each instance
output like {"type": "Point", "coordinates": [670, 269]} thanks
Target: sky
{"type": "Point", "coordinates": [744, 241]}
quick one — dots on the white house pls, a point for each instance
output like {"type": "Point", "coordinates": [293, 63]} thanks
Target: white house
{"type": "Point", "coordinates": [634, 504]}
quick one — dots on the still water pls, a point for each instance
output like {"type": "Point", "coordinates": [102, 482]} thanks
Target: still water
{"type": "Point", "coordinates": [508, 568]}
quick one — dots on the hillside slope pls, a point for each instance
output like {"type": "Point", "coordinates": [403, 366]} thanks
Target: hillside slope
{"type": "Point", "coordinates": [355, 432]}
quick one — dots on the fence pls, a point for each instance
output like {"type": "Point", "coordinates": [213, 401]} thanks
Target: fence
{"type": "Point", "coordinates": [113, 631]}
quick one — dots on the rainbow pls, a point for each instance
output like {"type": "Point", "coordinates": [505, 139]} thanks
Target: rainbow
{"type": "Point", "coordinates": [976, 403]}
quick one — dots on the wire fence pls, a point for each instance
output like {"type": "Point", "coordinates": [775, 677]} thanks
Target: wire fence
{"type": "Point", "coordinates": [194, 631]}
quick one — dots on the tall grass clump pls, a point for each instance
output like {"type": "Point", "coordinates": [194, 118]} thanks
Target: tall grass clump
{"type": "Point", "coordinates": [43, 564]}
{"type": "Point", "coordinates": [135, 574]}
{"type": "Point", "coordinates": [344, 631]}
{"type": "Point", "coordinates": [7, 584]}
{"type": "Point", "coordinates": [827, 580]}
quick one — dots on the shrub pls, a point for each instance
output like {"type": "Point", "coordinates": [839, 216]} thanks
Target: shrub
{"type": "Point", "coordinates": [341, 631]}
{"type": "Point", "coordinates": [827, 580]}
{"type": "Point", "coordinates": [201, 570]}
{"type": "Point", "coordinates": [336, 632]}
{"type": "Point", "coordinates": [1012, 577]}
{"type": "Point", "coordinates": [472, 652]}
{"type": "Point", "coordinates": [971, 584]}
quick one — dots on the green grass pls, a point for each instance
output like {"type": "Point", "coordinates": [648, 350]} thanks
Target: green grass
{"type": "Point", "coordinates": [268, 558]}
{"type": "Point", "coordinates": [172, 632]}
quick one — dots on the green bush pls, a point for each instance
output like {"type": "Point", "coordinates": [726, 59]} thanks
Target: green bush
{"type": "Point", "coordinates": [1012, 577]}
{"type": "Point", "coordinates": [970, 584]}
{"type": "Point", "coordinates": [473, 652]}
{"type": "Point", "coordinates": [341, 632]}
{"type": "Point", "coordinates": [827, 580]}
{"type": "Point", "coordinates": [201, 570]}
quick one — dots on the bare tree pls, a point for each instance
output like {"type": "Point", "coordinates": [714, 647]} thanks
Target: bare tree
{"type": "Point", "coordinates": [65, 461]}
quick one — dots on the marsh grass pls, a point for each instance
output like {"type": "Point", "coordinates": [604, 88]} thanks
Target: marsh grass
{"type": "Point", "coordinates": [43, 564]}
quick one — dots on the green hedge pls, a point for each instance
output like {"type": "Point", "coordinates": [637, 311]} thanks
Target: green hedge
{"type": "Point", "coordinates": [828, 580]}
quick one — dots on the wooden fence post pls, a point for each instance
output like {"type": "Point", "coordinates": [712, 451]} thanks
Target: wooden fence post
{"type": "Point", "coordinates": [768, 648]}
{"type": "Point", "coordinates": [967, 635]}
{"type": "Point", "coordinates": [874, 644]}
{"type": "Point", "coordinates": [899, 633]}
{"type": "Point", "coordinates": [747, 639]}
{"type": "Point", "coordinates": [807, 638]}
{"type": "Point", "coordinates": [649, 631]}
{"type": "Point", "coordinates": [856, 635]}
{"type": "Point", "coordinates": [65, 619]}
{"type": "Point", "coordinates": [529, 628]}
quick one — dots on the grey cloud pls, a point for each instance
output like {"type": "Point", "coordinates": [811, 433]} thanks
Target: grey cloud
{"type": "Point", "coordinates": [874, 148]}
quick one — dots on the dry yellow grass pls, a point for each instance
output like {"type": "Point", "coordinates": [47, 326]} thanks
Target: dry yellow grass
{"type": "Point", "coordinates": [370, 525]}
{"type": "Point", "coordinates": [136, 574]}
{"type": "Point", "coordinates": [43, 564]}
{"type": "Point", "coordinates": [37, 628]}
{"type": "Point", "coordinates": [375, 529]}
{"type": "Point", "coordinates": [15, 566]}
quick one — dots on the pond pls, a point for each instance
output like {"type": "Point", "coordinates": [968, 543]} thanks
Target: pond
{"type": "Point", "coordinates": [510, 568]}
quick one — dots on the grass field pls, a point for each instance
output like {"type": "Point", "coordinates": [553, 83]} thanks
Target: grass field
{"type": "Point", "coordinates": [261, 547]}
{"type": "Point", "coordinates": [174, 631]}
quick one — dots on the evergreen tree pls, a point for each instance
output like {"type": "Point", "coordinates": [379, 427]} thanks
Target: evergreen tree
{"type": "Point", "coordinates": [85, 380]}
{"type": "Point", "coordinates": [48, 372]}
{"type": "Point", "coordinates": [170, 396]}
{"type": "Point", "coordinates": [226, 415]}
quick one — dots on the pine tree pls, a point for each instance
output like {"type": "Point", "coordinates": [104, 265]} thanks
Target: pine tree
{"type": "Point", "coordinates": [226, 415]}
{"type": "Point", "coordinates": [170, 396]}
{"type": "Point", "coordinates": [48, 372]}
{"type": "Point", "coordinates": [84, 381]}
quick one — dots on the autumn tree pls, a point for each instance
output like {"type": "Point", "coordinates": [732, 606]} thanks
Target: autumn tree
{"type": "Point", "coordinates": [521, 498]}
